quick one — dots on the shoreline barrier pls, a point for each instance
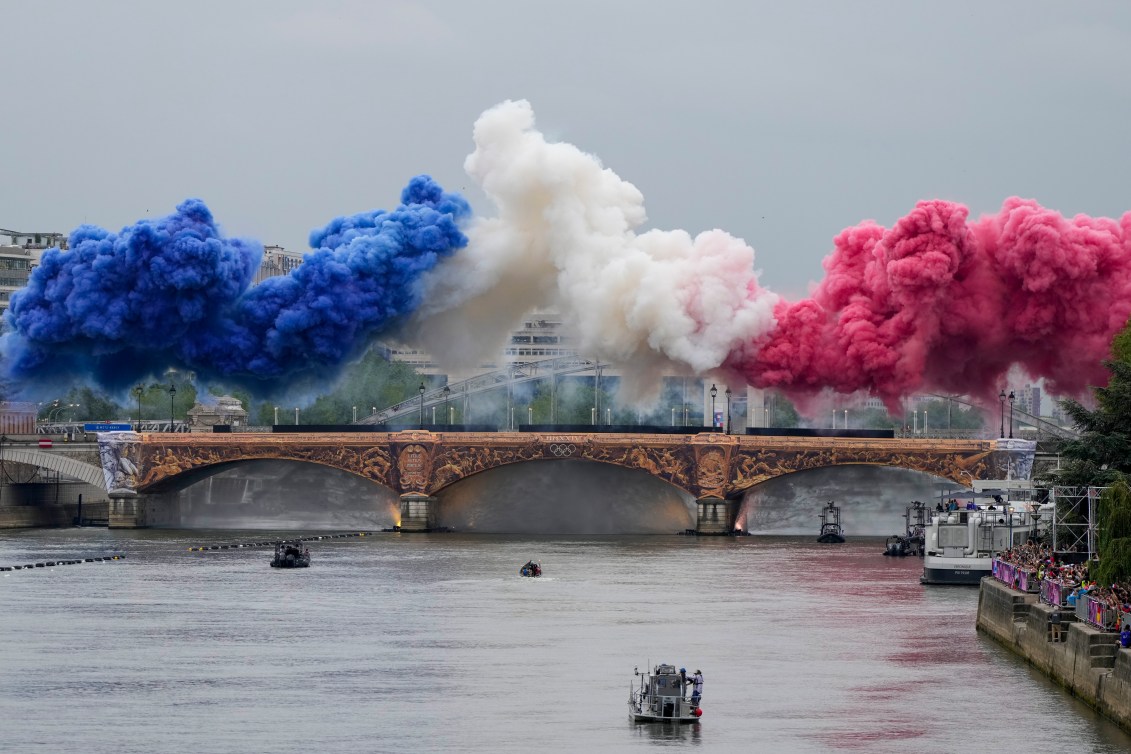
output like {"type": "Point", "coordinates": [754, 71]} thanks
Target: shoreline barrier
{"type": "Point", "coordinates": [1088, 662]}
{"type": "Point", "coordinates": [53, 563]}
{"type": "Point", "coordinates": [273, 542]}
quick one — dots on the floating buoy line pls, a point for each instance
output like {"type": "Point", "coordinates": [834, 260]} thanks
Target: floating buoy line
{"type": "Point", "coordinates": [53, 563]}
{"type": "Point", "coordinates": [274, 542]}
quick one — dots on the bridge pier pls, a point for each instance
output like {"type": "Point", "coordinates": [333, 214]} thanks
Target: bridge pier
{"type": "Point", "coordinates": [418, 512]}
{"type": "Point", "coordinates": [127, 510]}
{"type": "Point", "coordinates": [715, 515]}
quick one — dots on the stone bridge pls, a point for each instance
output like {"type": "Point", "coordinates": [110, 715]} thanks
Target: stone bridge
{"type": "Point", "coordinates": [714, 468]}
{"type": "Point", "coordinates": [73, 460]}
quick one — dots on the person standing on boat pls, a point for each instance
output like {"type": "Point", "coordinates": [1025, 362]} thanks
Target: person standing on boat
{"type": "Point", "coordinates": [697, 687]}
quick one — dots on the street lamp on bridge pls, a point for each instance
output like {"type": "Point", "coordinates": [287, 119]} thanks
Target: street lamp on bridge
{"type": "Point", "coordinates": [728, 408]}
{"type": "Point", "coordinates": [714, 392]}
{"type": "Point", "coordinates": [172, 414]}
{"type": "Point", "coordinates": [138, 390]}
{"type": "Point", "coordinates": [1011, 396]}
{"type": "Point", "coordinates": [1001, 400]}
{"type": "Point", "coordinates": [421, 388]}
{"type": "Point", "coordinates": [276, 415]}
{"type": "Point", "coordinates": [447, 413]}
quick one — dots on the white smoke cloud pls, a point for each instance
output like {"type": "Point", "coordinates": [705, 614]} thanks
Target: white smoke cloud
{"type": "Point", "coordinates": [565, 239]}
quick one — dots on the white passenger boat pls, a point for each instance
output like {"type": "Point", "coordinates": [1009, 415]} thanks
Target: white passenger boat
{"type": "Point", "coordinates": [960, 544]}
{"type": "Point", "coordinates": [660, 697]}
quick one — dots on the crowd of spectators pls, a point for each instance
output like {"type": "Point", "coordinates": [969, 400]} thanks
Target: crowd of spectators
{"type": "Point", "coordinates": [1072, 578]}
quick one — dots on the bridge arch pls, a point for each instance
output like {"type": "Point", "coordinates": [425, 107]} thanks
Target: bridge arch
{"type": "Point", "coordinates": [572, 497]}
{"type": "Point", "coordinates": [56, 461]}
{"type": "Point", "coordinates": [448, 480]}
{"type": "Point", "coordinates": [182, 480]}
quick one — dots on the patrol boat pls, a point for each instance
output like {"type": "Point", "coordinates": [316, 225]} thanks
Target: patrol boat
{"type": "Point", "coordinates": [831, 531]}
{"type": "Point", "coordinates": [660, 697]}
{"type": "Point", "coordinates": [290, 555]}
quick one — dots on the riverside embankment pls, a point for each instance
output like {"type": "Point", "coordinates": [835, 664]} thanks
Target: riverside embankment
{"type": "Point", "coordinates": [1089, 663]}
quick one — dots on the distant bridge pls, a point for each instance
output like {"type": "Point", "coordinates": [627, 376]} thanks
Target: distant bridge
{"type": "Point", "coordinates": [714, 468]}
{"type": "Point", "coordinates": [72, 460]}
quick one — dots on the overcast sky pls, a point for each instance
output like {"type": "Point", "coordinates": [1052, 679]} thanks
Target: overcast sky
{"type": "Point", "coordinates": [781, 123]}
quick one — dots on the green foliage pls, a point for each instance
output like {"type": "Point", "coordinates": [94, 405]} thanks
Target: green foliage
{"type": "Point", "coordinates": [1102, 453]}
{"type": "Point", "coordinates": [1114, 543]}
{"type": "Point", "coordinates": [782, 412]}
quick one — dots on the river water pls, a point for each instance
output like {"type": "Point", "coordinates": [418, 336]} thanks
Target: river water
{"type": "Point", "coordinates": [430, 643]}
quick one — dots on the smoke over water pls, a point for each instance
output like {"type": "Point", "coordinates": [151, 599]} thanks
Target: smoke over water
{"type": "Point", "coordinates": [270, 494]}
{"type": "Point", "coordinates": [175, 293]}
{"type": "Point", "coordinates": [872, 500]}
{"type": "Point", "coordinates": [936, 302]}
{"type": "Point", "coordinates": [566, 497]}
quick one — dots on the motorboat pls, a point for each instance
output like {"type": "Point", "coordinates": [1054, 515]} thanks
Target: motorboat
{"type": "Point", "coordinates": [917, 517]}
{"type": "Point", "coordinates": [530, 568]}
{"type": "Point", "coordinates": [291, 555]}
{"type": "Point", "coordinates": [660, 697]}
{"type": "Point", "coordinates": [897, 546]}
{"type": "Point", "coordinates": [831, 531]}
{"type": "Point", "coordinates": [962, 539]}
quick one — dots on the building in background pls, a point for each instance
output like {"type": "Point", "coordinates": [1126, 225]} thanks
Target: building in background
{"type": "Point", "coordinates": [277, 261]}
{"type": "Point", "coordinates": [19, 255]}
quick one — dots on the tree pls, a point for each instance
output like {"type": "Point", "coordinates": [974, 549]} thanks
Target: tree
{"type": "Point", "coordinates": [1102, 454]}
{"type": "Point", "coordinates": [1114, 543]}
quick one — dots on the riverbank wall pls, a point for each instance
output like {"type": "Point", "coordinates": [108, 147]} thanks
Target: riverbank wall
{"type": "Point", "coordinates": [46, 516]}
{"type": "Point", "coordinates": [1088, 663]}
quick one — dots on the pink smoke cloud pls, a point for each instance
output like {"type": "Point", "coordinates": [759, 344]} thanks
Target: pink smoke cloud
{"type": "Point", "coordinates": [941, 303]}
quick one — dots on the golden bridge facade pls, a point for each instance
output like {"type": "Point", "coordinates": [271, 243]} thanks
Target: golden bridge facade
{"type": "Point", "coordinates": [714, 468]}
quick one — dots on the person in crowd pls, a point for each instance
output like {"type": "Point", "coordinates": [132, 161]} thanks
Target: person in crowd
{"type": "Point", "coordinates": [1055, 624]}
{"type": "Point", "coordinates": [1125, 635]}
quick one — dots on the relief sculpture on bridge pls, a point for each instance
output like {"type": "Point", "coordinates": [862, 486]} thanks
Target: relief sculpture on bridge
{"type": "Point", "coordinates": [412, 465]}
{"type": "Point", "coordinates": [420, 462]}
{"type": "Point", "coordinates": [119, 454]}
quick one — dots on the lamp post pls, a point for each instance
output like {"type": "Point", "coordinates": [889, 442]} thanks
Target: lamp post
{"type": "Point", "coordinates": [138, 390]}
{"type": "Point", "coordinates": [924, 421]}
{"type": "Point", "coordinates": [276, 415]}
{"type": "Point", "coordinates": [355, 414]}
{"type": "Point", "coordinates": [296, 416]}
{"type": "Point", "coordinates": [727, 394]}
{"type": "Point", "coordinates": [608, 416]}
{"type": "Point", "coordinates": [1001, 400]}
{"type": "Point", "coordinates": [673, 416]}
{"type": "Point", "coordinates": [172, 395]}
{"type": "Point", "coordinates": [714, 392]}
{"type": "Point", "coordinates": [529, 414]}
{"type": "Point", "coordinates": [447, 411]}
{"type": "Point", "coordinates": [1011, 397]}
{"type": "Point", "coordinates": [846, 418]}
{"type": "Point", "coordinates": [421, 389]}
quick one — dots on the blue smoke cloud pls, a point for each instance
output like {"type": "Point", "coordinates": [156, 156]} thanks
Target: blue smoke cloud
{"type": "Point", "coordinates": [175, 293]}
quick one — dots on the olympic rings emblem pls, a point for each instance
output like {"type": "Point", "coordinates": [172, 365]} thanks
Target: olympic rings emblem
{"type": "Point", "coordinates": [561, 450]}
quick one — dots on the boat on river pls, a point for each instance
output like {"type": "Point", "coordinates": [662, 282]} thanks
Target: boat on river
{"type": "Point", "coordinates": [291, 555]}
{"type": "Point", "coordinates": [962, 539]}
{"type": "Point", "coordinates": [660, 697]}
{"type": "Point", "coordinates": [831, 530]}
{"type": "Point", "coordinates": [531, 569]}
{"type": "Point", "coordinates": [917, 517]}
